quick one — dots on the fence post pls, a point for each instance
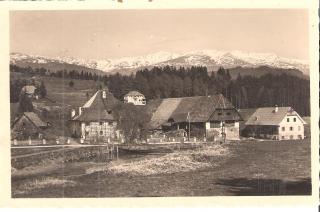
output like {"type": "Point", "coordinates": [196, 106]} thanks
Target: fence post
{"type": "Point", "coordinates": [30, 141]}
{"type": "Point", "coordinates": [44, 141]}
{"type": "Point", "coordinates": [117, 152]}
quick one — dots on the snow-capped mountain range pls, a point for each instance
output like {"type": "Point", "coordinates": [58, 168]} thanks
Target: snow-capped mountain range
{"type": "Point", "coordinates": [209, 58]}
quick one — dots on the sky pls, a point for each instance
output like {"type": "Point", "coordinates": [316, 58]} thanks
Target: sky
{"type": "Point", "coordinates": [103, 34]}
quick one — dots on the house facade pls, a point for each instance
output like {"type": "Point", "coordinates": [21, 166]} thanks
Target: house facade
{"type": "Point", "coordinates": [95, 120]}
{"type": "Point", "coordinates": [135, 97]}
{"type": "Point", "coordinates": [277, 123]}
{"type": "Point", "coordinates": [224, 123]}
{"type": "Point", "coordinates": [213, 117]}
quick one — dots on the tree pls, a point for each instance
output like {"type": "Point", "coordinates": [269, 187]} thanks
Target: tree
{"type": "Point", "coordinates": [25, 104]}
{"type": "Point", "coordinates": [132, 121]}
{"type": "Point", "coordinates": [71, 84]}
{"type": "Point", "coordinates": [42, 90]}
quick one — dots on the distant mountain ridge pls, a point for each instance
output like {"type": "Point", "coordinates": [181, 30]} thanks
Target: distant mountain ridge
{"type": "Point", "coordinates": [212, 59]}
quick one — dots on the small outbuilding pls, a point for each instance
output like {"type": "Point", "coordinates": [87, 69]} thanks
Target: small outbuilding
{"type": "Point", "coordinates": [28, 124]}
{"type": "Point", "coordinates": [277, 123]}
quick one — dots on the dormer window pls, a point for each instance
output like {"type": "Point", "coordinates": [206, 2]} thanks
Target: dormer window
{"type": "Point", "coordinates": [104, 94]}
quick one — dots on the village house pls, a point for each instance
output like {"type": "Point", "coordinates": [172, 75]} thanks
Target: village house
{"type": "Point", "coordinates": [213, 117]}
{"type": "Point", "coordinates": [28, 125]}
{"type": "Point", "coordinates": [29, 90]}
{"type": "Point", "coordinates": [135, 98]}
{"type": "Point", "coordinates": [95, 120]}
{"type": "Point", "coordinates": [277, 123]}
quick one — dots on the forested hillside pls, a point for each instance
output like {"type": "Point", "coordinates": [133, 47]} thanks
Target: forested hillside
{"type": "Point", "coordinates": [164, 82]}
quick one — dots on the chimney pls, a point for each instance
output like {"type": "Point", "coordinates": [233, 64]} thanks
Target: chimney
{"type": "Point", "coordinates": [80, 110]}
{"type": "Point", "coordinates": [73, 113]}
{"type": "Point", "coordinates": [276, 109]}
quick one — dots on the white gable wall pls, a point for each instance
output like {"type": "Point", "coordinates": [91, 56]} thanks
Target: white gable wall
{"type": "Point", "coordinates": [291, 127]}
{"type": "Point", "coordinates": [136, 100]}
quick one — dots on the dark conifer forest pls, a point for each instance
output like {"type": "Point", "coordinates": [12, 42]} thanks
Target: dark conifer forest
{"type": "Point", "coordinates": [166, 82]}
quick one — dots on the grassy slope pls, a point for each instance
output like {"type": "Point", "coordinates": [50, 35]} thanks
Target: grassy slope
{"type": "Point", "coordinates": [255, 168]}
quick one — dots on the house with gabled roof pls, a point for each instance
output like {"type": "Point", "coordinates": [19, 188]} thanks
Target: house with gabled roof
{"type": "Point", "coordinates": [278, 123]}
{"type": "Point", "coordinates": [95, 119]}
{"type": "Point", "coordinates": [28, 124]}
{"type": "Point", "coordinates": [135, 97]}
{"type": "Point", "coordinates": [211, 116]}
{"type": "Point", "coordinates": [29, 90]}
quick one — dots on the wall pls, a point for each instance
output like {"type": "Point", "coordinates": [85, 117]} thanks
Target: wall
{"type": "Point", "coordinates": [99, 130]}
{"type": "Point", "coordinates": [295, 133]}
{"type": "Point", "coordinates": [136, 100]}
{"type": "Point", "coordinates": [214, 131]}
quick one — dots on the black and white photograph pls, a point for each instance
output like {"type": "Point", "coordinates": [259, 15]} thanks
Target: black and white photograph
{"type": "Point", "coordinates": [160, 103]}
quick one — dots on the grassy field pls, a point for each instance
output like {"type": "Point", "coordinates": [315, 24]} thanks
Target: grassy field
{"type": "Point", "coordinates": [237, 168]}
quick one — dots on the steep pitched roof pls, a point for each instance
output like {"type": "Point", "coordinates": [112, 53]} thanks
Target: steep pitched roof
{"type": "Point", "coordinates": [268, 116]}
{"type": "Point", "coordinates": [200, 108]}
{"type": "Point", "coordinates": [134, 93]}
{"type": "Point", "coordinates": [34, 118]}
{"type": "Point", "coordinates": [98, 108]}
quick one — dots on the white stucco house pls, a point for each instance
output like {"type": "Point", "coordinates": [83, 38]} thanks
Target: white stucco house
{"type": "Point", "coordinates": [135, 97]}
{"type": "Point", "coordinates": [278, 123]}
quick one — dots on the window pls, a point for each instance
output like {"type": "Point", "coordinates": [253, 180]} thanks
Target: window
{"type": "Point", "coordinates": [101, 123]}
{"type": "Point", "coordinates": [214, 125]}
{"type": "Point", "coordinates": [291, 128]}
{"type": "Point", "coordinates": [300, 136]}
{"type": "Point", "coordinates": [291, 136]}
{"type": "Point", "coordinates": [110, 123]}
{"type": "Point", "coordinates": [219, 114]}
{"type": "Point", "coordinates": [288, 119]}
{"type": "Point", "coordinates": [228, 113]}
{"type": "Point", "coordinates": [282, 137]}
{"type": "Point", "coordinates": [294, 119]}
{"type": "Point", "coordinates": [101, 132]}
{"type": "Point", "coordinates": [283, 128]}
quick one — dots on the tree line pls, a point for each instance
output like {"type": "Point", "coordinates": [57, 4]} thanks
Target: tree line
{"type": "Point", "coordinates": [165, 82]}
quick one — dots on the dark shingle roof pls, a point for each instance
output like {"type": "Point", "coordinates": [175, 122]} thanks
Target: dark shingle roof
{"type": "Point", "coordinates": [200, 109]}
{"type": "Point", "coordinates": [98, 108]}
{"type": "Point", "coordinates": [246, 113]}
{"type": "Point", "coordinates": [34, 118]}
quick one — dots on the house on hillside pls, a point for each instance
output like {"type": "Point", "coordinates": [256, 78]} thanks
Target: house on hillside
{"type": "Point", "coordinates": [95, 119]}
{"type": "Point", "coordinates": [28, 124]}
{"type": "Point", "coordinates": [278, 123]}
{"type": "Point", "coordinates": [210, 116]}
{"type": "Point", "coordinates": [135, 98]}
{"type": "Point", "coordinates": [29, 90]}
